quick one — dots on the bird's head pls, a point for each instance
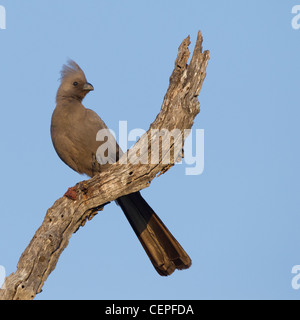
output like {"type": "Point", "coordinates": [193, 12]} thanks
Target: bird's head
{"type": "Point", "coordinates": [73, 82]}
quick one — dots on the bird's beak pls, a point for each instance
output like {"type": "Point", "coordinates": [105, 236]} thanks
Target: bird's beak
{"type": "Point", "coordinates": [88, 87]}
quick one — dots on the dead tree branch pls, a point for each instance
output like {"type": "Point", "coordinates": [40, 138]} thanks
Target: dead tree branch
{"type": "Point", "coordinates": [82, 202]}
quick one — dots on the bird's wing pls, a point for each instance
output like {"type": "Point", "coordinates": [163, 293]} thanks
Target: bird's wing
{"type": "Point", "coordinates": [104, 139]}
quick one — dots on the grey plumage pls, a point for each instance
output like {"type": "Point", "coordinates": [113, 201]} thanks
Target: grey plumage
{"type": "Point", "coordinates": [73, 130]}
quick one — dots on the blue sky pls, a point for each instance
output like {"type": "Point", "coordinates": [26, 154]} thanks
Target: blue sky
{"type": "Point", "coordinates": [239, 220]}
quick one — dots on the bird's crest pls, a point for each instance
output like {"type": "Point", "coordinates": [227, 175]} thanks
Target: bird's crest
{"type": "Point", "coordinates": [71, 68]}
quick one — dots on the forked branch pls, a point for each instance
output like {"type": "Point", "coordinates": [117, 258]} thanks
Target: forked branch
{"type": "Point", "coordinates": [82, 202]}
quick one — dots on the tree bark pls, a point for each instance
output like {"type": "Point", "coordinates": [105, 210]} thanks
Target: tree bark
{"type": "Point", "coordinates": [82, 202]}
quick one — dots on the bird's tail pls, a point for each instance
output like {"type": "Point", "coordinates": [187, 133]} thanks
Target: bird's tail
{"type": "Point", "coordinates": [165, 253]}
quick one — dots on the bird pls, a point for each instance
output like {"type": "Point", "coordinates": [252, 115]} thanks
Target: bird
{"type": "Point", "coordinates": [73, 132]}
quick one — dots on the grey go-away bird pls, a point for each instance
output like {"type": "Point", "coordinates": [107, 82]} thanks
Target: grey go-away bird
{"type": "Point", "coordinates": [73, 131]}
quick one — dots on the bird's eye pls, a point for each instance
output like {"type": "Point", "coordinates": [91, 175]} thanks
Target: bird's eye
{"type": "Point", "coordinates": [75, 84]}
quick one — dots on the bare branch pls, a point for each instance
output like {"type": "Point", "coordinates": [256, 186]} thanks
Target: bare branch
{"type": "Point", "coordinates": [82, 202]}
